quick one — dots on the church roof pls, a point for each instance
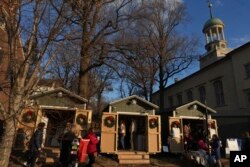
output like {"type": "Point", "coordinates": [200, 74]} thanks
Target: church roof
{"type": "Point", "coordinates": [211, 22]}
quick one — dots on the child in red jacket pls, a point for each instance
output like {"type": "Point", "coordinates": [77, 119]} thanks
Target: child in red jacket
{"type": "Point", "coordinates": [91, 146]}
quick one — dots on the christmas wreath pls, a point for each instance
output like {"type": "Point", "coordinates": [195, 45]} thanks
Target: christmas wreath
{"type": "Point", "coordinates": [211, 125]}
{"type": "Point", "coordinates": [29, 116]}
{"type": "Point", "coordinates": [175, 124]}
{"type": "Point", "coordinates": [153, 123]}
{"type": "Point", "coordinates": [109, 121]}
{"type": "Point", "coordinates": [81, 119]}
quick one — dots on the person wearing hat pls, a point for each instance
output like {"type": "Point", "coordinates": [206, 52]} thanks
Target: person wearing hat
{"type": "Point", "coordinates": [35, 145]}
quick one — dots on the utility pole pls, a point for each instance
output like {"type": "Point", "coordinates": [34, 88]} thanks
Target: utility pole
{"type": "Point", "coordinates": [207, 133]}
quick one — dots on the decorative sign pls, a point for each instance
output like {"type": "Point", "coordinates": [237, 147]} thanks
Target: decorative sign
{"type": "Point", "coordinates": [165, 149]}
{"type": "Point", "coordinates": [233, 145]}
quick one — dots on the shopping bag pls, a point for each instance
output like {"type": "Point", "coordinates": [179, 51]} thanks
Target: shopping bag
{"type": "Point", "coordinates": [82, 152]}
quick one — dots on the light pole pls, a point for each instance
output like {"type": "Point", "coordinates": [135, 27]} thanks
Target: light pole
{"type": "Point", "coordinates": [207, 133]}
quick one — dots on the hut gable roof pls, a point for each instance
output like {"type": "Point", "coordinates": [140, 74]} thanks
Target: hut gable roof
{"type": "Point", "coordinates": [199, 106]}
{"type": "Point", "coordinates": [193, 109]}
{"type": "Point", "coordinates": [59, 97]}
{"type": "Point", "coordinates": [132, 105]}
{"type": "Point", "coordinates": [130, 98]}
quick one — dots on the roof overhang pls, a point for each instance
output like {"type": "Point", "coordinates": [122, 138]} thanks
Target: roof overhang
{"type": "Point", "coordinates": [135, 97]}
{"type": "Point", "coordinates": [196, 104]}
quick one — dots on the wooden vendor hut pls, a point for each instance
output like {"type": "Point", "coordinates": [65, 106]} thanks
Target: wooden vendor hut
{"type": "Point", "coordinates": [56, 107]}
{"type": "Point", "coordinates": [186, 125]}
{"type": "Point", "coordinates": [141, 127]}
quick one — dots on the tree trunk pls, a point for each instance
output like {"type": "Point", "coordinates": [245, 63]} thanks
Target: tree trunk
{"type": "Point", "coordinates": [84, 63]}
{"type": "Point", "coordinates": [7, 142]}
{"type": "Point", "coordinates": [83, 83]}
{"type": "Point", "coordinates": [161, 88]}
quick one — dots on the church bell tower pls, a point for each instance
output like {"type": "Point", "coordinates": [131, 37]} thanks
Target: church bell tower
{"type": "Point", "coordinates": [216, 44]}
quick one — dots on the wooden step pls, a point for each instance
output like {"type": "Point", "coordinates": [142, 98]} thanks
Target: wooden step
{"type": "Point", "coordinates": [132, 152]}
{"type": "Point", "coordinates": [131, 156]}
{"type": "Point", "coordinates": [50, 160]}
{"type": "Point", "coordinates": [134, 161]}
{"type": "Point", "coordinates": [56, 151]}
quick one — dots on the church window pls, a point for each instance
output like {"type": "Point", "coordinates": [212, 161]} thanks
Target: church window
{"type": "Point", "coordinates": [179, 99]}
{"type": "Point", "coordinates": [248, 97]}
{"type": "Point", "coordinates": [247, 69]}
{"type": "Point", "coordinates": [202, 93]}
{"type": "Point", "coordinates": [219, 94]}
{"type": "Point", "coordinates": [170, 101]}
{"type": "Point", "coordinates": [189, 95]}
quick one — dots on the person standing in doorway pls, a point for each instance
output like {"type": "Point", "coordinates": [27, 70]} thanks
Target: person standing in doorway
{"type": "Point", "coordinates": [122, 133]}
{"type": "Point", "coordinates": [35, 145]}
{"type": "Point", "coordinates": [132, 130]}
{"type": "Point", "coordinates": [187, 136]}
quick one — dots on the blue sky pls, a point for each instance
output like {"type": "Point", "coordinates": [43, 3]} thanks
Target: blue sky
{"type": "Point", "coordinates": [234, 13]}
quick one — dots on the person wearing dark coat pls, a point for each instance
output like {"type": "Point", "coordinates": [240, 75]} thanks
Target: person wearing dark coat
{"type": "Point", "coordinates": [246, 143]}
{"type": "Point", "coordinates": [66, 146]}
{"type": "Point", "coordinates": [92, 150]}
{"type": "Point", "coordinates": [35, 145]}
{"type": "Point", "coordinates": [215, 145]}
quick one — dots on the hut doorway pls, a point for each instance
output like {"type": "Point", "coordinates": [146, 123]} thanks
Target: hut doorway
{"type": "Point", "coordinates": [136, 132]}
{"type": "Point", "coordinates": [56, 121]}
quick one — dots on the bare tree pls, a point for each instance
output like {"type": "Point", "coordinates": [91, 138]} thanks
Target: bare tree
{"type": "Point", "coordinates": [65, 66]}
{"type": "Point", "coordinates": [36, 26]}
{"type": "Point", "coordinates": [99, 83]}
{"type": "Point", "coordinates": [166, 51]}
{"type": "Point", "coordinates": [137, 65]}
{"type": "Point", "coordinates": [96, 21]}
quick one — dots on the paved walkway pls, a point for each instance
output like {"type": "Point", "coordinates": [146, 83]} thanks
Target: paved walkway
{"type": "Point", "coordinates": [161, 160]}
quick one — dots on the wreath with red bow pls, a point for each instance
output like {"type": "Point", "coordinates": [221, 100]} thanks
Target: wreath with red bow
{"type": "Point", "coordinates": [81, 119]}
{"type": "Point", "coordinates": [175, 124]}
{"type": "Point", "coordinates": [109, 121]}
{"type": "Point", "coordinates": [153, 123]}
{"type": "Point", "coordinates": [29, 116]}
{"type": "Point", "coordinates": [211, 125]}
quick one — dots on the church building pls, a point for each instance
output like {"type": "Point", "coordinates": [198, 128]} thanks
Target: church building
{"type": "Point", "coordinates": [222, 82]}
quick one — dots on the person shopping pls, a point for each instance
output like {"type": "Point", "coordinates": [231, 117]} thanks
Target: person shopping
{"type": "Point", "coordinates": [91, 150]}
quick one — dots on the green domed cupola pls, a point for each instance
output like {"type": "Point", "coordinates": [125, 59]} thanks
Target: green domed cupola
{"type": "Point", "coordinates": [212, 22]}
{"type": "Point", "coordinates": [216, 44]}
{"type": "Point", "coordinates": [214, 32]}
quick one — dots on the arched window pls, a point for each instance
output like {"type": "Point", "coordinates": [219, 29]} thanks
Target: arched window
{"type": "Point", "coordinates": [219, 94]}
{"type": "Point", "coordinates": [189, 95]}
{"type": "Point", "coordinates": [202, 93]}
